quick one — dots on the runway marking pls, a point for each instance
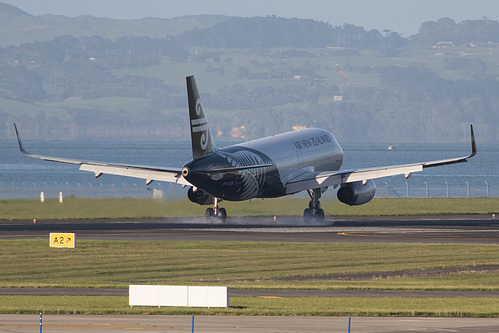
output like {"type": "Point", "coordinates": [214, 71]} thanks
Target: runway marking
{"type": "Point", "coordinates": [338, 230]}
{"type": "Point", "coordinates": [269, 230]}
{"type": "Point", "coordinates": [419, 234]}
{"type": "Point", "coordinates": [103, 326]}
{"type": "Point", "coordinates": [354, 233]}
{"type": "Point", "coordinates": [270, 297]}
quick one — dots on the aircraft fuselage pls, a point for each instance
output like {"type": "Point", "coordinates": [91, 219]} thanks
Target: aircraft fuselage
{"type": "Point", "coordinates": [288, 155]}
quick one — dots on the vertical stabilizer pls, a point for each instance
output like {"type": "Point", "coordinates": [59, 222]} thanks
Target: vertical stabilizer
{"type": "Point", "coordinates": [201, 139]}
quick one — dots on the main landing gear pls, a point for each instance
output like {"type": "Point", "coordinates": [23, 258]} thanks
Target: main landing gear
{"type": "Point", "coordinates": [216, 212]}
{"type": "Point", "coordinates": [314, 210]}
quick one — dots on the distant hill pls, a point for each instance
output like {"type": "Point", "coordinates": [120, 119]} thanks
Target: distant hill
{"type": "Point", "coordinates": [7, 10]}
{"type": "Point", "coordinates": [82, 77]}
{"type": "Point", "coordinates": [270, 31]}
{"type": "Point", "coordinates": [17, 26]}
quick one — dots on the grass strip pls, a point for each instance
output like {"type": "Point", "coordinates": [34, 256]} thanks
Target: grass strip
{"type": "Point", "coordinates": [76, 208]}
{"type": "Point", "coordinates": [469, 281]}
{"type": "Point", "coordinates": [116, 264]}
{"type": "Point", "coordinates": [255, 306]}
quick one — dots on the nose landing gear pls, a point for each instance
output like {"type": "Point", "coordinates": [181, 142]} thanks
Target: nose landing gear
{"type": "Point", "coordinates": [217, 212]}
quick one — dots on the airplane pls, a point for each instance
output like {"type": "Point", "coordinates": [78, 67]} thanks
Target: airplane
{"type": "Point", "coordinates": [305, 160]}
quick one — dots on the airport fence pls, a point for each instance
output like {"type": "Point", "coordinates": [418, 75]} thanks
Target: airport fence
{"type": "Point", "coordinates": [85, 190]}
{"type": "Point", "coordinates": [467, 189]}
{"type": "Point", "coordinates": [22, 190]}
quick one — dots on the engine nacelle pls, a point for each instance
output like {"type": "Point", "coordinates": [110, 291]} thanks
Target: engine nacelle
{"type": "Point", "coordinates": [356, 193]}
{"type": "Point", "coordinates": [200, 197]}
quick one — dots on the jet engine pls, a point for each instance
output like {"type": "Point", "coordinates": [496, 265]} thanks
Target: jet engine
{"type": "Point", "coordinates": [357, 193]}
{"type": "Point", "coordinates": [199, 196]}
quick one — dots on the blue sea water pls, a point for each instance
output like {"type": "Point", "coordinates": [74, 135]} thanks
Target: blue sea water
{"type": "Point", "coordinates": [24, 177]}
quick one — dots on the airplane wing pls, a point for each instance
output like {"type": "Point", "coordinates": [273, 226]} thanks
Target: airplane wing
{"type": "Point", "coordinates": [310, 180]}
{"type": "Point", "coordinates": [149, 173]}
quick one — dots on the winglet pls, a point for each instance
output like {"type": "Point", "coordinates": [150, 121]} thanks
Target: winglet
{"type": "Point", "coordinates": [455, 160]}
{"type": "Point", "coordinates": [473, 142]}
{"type": "Point", "coordinates": [21, 147]}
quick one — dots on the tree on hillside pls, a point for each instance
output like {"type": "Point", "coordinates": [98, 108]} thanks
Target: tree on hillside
{"type": "Point", "coordinates": [462, 33]}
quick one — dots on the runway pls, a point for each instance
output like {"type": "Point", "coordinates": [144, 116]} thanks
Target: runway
{"type": "Point", "coordinates": [480, 229]}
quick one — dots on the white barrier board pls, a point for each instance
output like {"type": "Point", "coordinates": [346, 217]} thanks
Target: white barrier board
{"type": "Point", "coordinates": [211, 297]}
{"type": "Point", "coordinates": [144, 295]}
{"type": "Point", "coordinates": [179, 296]}
{"type": "Point", "coordinates": [172, 295]}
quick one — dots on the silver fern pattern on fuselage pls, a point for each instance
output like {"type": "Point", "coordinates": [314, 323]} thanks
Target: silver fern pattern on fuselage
{"type": "Point", "coordinates": [252, 179]}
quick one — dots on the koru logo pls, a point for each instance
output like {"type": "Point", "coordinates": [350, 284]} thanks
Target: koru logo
{"type": "Point", "coordinates": [203, 141]}
{"type": "Point", "coordinates": [199, 107]}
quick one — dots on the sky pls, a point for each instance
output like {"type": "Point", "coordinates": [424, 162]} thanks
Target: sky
{"type": "Point", "coordinates": [402, 16]}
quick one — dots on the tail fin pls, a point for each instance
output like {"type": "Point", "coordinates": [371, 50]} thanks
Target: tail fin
{"type": "Point", "coordinates": [201, 139]}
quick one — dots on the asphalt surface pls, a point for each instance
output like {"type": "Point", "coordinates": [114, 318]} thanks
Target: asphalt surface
{"type": "Point", "coordinates": [474, 229]}
{"type": "Point", "coordinates": [220, 324]}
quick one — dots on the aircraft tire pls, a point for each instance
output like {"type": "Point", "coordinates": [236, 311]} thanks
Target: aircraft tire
{"type": "Point", "coordinates": [210, 212]}
{"type": "Point", "coordinates": [319, 215]}
{"type": "Point", "coordinates": [307, 215]}
{"type": "Point", "coordinates": [222, 214]}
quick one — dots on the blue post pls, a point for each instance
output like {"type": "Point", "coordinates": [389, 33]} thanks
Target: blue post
{"type": "Point", "coordinates": [40, 323]}
{"type": "Point", "coordinates": [349, 321]}
{"type": "Point", "coordinates": [192, 324]}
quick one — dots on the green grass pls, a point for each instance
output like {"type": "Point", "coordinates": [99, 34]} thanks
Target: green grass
{"type": "Point", "coordinates": [433, 206]}
{"type": "Point", "coordinates": [108, 103]}
{"type": "Point", "coordinates": [470, 281]}
{"type": "Point", "coordinates": [116, 264]}
{"type": "Point", "coordinates": [250, 306]}
{"type": "Point", "coordinates": [74, 208]}
{"type": "Point", "coordinates": [18, 108]}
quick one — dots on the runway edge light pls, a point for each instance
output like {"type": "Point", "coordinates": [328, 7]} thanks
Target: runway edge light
{"type": "Point", "coordinates": [66, 240]}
